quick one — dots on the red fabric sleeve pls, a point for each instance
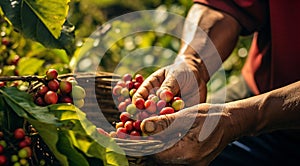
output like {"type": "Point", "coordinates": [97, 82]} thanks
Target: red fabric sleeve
{"type": "Point", "coordinates": [251, 14]}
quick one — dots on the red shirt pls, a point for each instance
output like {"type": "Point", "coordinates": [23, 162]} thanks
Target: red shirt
{"type": "Point", "coordinates": [274, 56]}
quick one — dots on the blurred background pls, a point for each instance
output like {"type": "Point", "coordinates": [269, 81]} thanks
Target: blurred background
{"type": "Point", "coordinates": [18, 54]}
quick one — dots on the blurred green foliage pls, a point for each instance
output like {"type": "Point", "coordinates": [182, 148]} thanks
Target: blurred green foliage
{"type": "Point", "coordinates": [88, 16]}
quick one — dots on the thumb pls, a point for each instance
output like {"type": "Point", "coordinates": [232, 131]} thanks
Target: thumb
{"type": "Point", "coordinates": [149, 85]}
{"type": "Point", "coordinates": [154, 125]}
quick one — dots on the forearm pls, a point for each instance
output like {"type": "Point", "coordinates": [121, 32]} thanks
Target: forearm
{"type": "Point", "coordinates": [206, 46]}
{"type": "Point", "coordinates": [276, 110]}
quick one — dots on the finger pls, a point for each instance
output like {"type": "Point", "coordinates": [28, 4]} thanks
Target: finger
{"type": "Point", "coordinates": [154, 125]}
{"type": "Point", "coordinates": [170, 124]}
{"type": "Point", "coordinates": [148, 86]}
{"type": "Point", "coordinates": [169, 84]}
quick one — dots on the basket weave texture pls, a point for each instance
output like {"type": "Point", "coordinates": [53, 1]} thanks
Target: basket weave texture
{"type": "Point", "coordinates": [100, 108]}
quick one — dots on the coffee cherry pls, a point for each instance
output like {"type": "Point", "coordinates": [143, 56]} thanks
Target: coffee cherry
{"type": "Point", "coordinates": [143, 115]}
{"type": "Point", "coordinates": [166, 95]}
{"type": "Point", "coordinates": [14, 158]}
{"type": "Point", "coordinates": [19, 133]}
{"type": "Point", "coordinates": [22, 144]}
{"type": "Point", "coordinates": [127, 101]}
{"type": "Point", "coordinates": [17, 164]}
{"type": "Point", "coordinates": [51, 97]}
{"type": "Point", "coordinates": [66, 99]}
{"type": "Point", "coordinates": [28, 150]}
{"type": "Point", "coordinates": [40, 101]}
{"type": "Point", "coordinates": [139, 78]}
{"type": "Point", "coordinates": [136, 85]}
{"type": "Point", "coordinates": [2, 84]}
{"type": "Point", "coordinates": [23, 162]}
{"type": "Point", "coordinates": [1, 149]}
{"type": "Point", "coordinates": [15, 60]}
{"type": "Point", "coordinates": [72, 80]}
{"type": "Point", "coordinates": [155, 98]}
{"type": "Point", "coordinates": [43, 90]}
{"type": "Point", "coordinates": [79, 103]}
{"type": "Point", "coordinates": [22, 153]}
{"type": "Point", "coordinates": [51, 74]}
{"type": "Point", "coordinates": [117, 90]}
{"type": "Point", "coordinates": [161, 104]}
{"type": "Point", "coordinates": [42, 162]}
{"type": "Point", "coordinates": [128, 125]}
{"type": "Point", "coordinates": [3, 143]}
{"type": "Point", "coordinates": [131, 109]}
{"type": "Point", "coordinates": [119, 124]}
{"type": "Point", "coordinates": [151, 96]}
{"type": "Point", "coordinates": [129, 84]}
{"type": "Point", "coordinates": [132, 92]}
{"type": "Point", "coordinates": [122, 106]}
{"type": "Point", "coordinates": [3, 160]}
{"type": "Point", "coordinates": [121, 133]}
{"type": "Point", "coordinates": [139, 103]}
{"type": "Point", "coordinates": [27, 139]}
{"type": "Point", "coordinates": [113, 134]}
{"type": "Point", "coordinates": [127, 77]}
{"type": "Point", "coordinates": [65, 87]}
{"type": "Point", "coordinates": [135, 135]}
{"type": "Point", "coordinates": [178, 105]}
{"type": "Point", "coordinates": [78, 92]}
{"type": "Point", "coordinates": [14, 84]}
{"type": "Point", "coordinates": [5, 41]}
{"type": "Point", "coordinates": [125, 92]}
{"type": "Point", "coordinates": [121, 99]}
{"type": "Point", "coordinates": [150, 106]}
{"type": "Point", "coordinates": [124, 116]}
{"type": "Point", "coordinates": [53, 85]}
{"type": "Point", "coordinates": [167, 110]}
{"type": "Point", "coordinates": [137, 125]}
{"type": "Point", "coordinates": [121, 83]}
{"type": "Point", "coordinates": [177, 98]}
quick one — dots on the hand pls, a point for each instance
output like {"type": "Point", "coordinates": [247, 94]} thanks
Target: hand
{"type": "Point", "coordinates": [181, 78]}
{"type": "Point", "coordinates": [205, 130]}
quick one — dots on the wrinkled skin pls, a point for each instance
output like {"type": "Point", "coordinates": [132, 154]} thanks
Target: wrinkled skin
{"type": "Point", "coordinates": [180, 78]}
{"type": "Point", "coordinates": [205, 133]}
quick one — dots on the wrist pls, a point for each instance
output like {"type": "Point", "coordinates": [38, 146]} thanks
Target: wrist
{"type": "Point", "coordinates": [244, 117]}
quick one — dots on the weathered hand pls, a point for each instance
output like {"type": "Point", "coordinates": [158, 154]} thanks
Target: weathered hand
{"type": "Point", "coordinates": [180, 78]}
{"type": "Point", "coordinates": [194, 136]}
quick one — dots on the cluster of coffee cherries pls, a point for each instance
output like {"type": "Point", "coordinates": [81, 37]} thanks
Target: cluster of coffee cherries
{"type": "Point", "coordinates": [9, 58]}
{"type": "Point", "coordinates": [15, 148]}
{"type": "Point", "coordinates": [55, 91]}
{"type": "Point", "coordinates": [159, 102]}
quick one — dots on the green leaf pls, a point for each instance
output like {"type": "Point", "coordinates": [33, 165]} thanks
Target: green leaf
{"type": "Point", "coordinates": [50, 136]}
{"type": "Point", "coordinates": [65, 129]}
{"type": "Point", "coordinates": [29, 66]}
{"type": "Point", "coordinates": [46, 123]}
{"type": "Point", "coordinates": [85, 137]}
{"type": "Point", "coordinates": [65, 146]}
{"type": "Point", "coordinates": [42, 21]}
{"type": "Point", "coordinates": [22, 103]}
{"type": "Point", "coordinates": [51, 12]}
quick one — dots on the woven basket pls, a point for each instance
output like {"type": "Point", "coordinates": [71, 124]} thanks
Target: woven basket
{"type": "Point", "coordinates": [101, 110]}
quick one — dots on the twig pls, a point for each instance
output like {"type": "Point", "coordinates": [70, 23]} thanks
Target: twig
{"type": "Point", "coordinates": [21, 78]}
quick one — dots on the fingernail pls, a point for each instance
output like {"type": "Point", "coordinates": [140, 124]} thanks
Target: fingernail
{"type": "Point", "coordinates": [150, 126]}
